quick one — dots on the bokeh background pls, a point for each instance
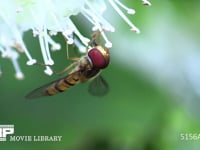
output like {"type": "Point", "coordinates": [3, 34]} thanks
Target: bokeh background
{"type": "Point", "coordinates": [154, 80]}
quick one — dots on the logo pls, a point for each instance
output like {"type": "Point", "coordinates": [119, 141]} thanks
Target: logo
{"type": "Point", "coordinates": [6, 130]}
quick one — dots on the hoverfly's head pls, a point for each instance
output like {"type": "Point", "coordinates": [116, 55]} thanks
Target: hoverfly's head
{"type": "Point", "coordinates": [99, 56]}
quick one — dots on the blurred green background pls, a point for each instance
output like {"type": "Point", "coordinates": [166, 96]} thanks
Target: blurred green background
{"type": "Point", "coordinates": [153, 79]}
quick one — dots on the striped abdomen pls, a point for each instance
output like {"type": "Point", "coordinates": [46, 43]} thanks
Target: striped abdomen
{"type": "Point", "coordinates": [63, 84]}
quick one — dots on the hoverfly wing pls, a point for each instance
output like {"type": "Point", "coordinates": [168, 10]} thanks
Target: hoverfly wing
{"type": "Point", "coordinates": [56, 86]}
{"type": "Point", "coordinates": [42, 91]}
{"type": "Point", "coordinates": [98, 86]}
{"type": "Point", "coordinates": [39, 92]}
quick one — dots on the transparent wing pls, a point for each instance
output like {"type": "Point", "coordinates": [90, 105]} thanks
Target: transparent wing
{"type": "Point", "coordinates": [98, 86]}
{"type": "Point", "coordinates": [39, 92]}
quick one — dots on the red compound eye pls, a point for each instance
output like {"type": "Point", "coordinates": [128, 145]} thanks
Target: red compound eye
{"type": "Point", "coordinates": [99, 57]}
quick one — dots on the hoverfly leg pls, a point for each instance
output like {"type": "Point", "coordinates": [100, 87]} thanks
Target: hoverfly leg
{"type": "Point", "coordinates": [67, 50]}
{"type": "Point", "coordinates": [96, 37]}
{"type": "Point", "coordinates": [41, 64]}
{"type": "Point", "coordinates": [67, 68]}
{"type": "Point", "coordinates": [58, 73]}
{"type": "Point", "coordinates": [93, 42]}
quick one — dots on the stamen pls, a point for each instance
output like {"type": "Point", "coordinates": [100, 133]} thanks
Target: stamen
{"type": "Point", "coordinates": [3, 52]}
{"type": "Point", "coordinates": [45, 51]}
{"type": "Point", "coordinates": [95, 14]}
{"type": "Point", "coordinates": [14, 56]}
{"type": "Point", "coordinates": [0, 71]}
{"type": "Point", "coordinates": [21, 47]}
{"type": "Point", "coordinates": [54, 46]}
{"type": "Point", "coordinates": [129, 10]}
{"type": "Point", "coordinates": [133, 28]}
{"type": "Point", "coordinates": [48, 71]}
{"type": "Point", "coordinates": [146, 2]}
{"type": "Point", "coordinates": [79, 45]}
{"type": "Point", "coordinates": [51, 62]}
{"type": "Point", "coordinates": [18, 37]}
{"type": "Point", "coordinates": [108, 44]}
{"type": "Point", "coordinates": [35, 32]}
{"type": "Point", "coordinates": [52, 33]}
{"type": "Point", "coordinates": [95, 21]}
{"type": "Point", "coordinates": [68, 34]}
{"type": "Point", "coordinates": [83, 39]}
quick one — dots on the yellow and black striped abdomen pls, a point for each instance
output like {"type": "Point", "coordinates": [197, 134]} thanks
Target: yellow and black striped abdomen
{"type": "Point", "coordinates": [63, 84]}
{"type": "Point", "coordinates": [55, 87]}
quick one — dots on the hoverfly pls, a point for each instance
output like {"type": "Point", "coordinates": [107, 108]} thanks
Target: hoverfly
{"type": "Point", "coordinates": [88, 67]}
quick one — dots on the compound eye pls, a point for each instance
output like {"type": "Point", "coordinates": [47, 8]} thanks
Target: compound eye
{"type": "Point", "coordinates": [99, 59]}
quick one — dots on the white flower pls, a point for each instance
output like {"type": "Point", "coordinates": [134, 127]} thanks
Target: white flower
{"type": "Point", "coordinates": [16, 17]}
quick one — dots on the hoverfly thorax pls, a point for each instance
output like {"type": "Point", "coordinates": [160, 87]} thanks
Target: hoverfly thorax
{"type": "Point", "coordinates": [99, 56]}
